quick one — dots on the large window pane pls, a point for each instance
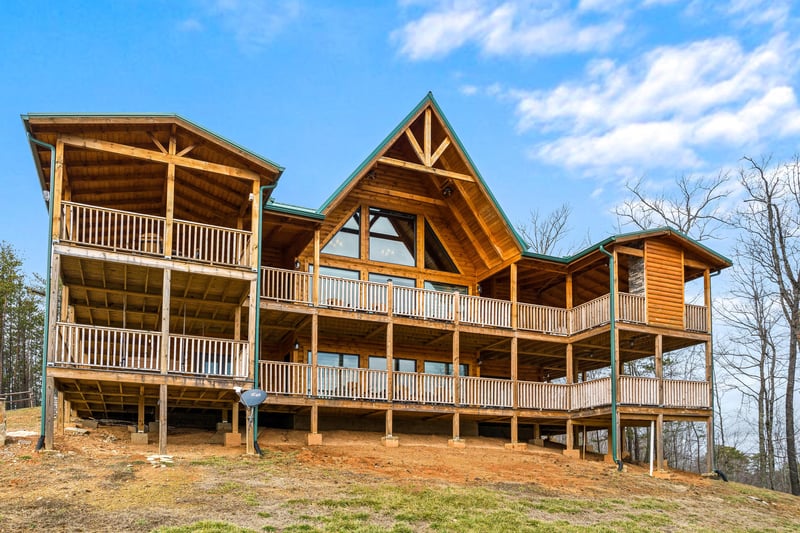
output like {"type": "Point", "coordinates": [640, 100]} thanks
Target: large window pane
{"type": "Point", "coordinates": [377, 362]}
{"type": "Point", "coordinates": [445, 369]}
{"type": "Point", "coordinates": [346, 242]}
{"type": "Point", "coordinates": [392, 237]}
{"type": "Point", "coordinates": [335, 293]}
{"type": "Point", "coordinates": [436, 257]}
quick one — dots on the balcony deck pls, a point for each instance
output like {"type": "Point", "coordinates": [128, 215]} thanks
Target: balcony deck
{"type": "Point", "coordinates": [295, 287]}
{"type": "Point", "coordinates": [365, 385]}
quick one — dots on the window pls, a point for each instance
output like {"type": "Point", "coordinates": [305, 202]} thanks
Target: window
{"type": "Point", "coordinates": [446, 287]}
{"type": "Point", "coordinates": [445, 369]}
{"type": "Point", "coordinates": [347, 240]}
{"type": "Point", "coordinates": [436, 257]}
{"type": "Point", "coordinates": [342, 360]}
{"type": "Point", "coordinates": [377, 362]}
{"type": "Point", "coordinates": [392, 237]}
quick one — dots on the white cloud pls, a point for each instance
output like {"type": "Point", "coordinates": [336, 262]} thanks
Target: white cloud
{"type": "Point", "coordinates": [512, 27]}
{"type": "Point", "coordinates": [253, 23]}
{"type": "Point", "coordinates": [662, 108]}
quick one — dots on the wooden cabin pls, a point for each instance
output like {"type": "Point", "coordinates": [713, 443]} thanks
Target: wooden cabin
{"type": "Point", "coordinates": [405, 303]}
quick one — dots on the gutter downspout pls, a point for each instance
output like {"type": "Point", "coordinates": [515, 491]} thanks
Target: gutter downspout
{"type": "Point", "coordinates": [614, 374]}
{"type": "Point", "coordinates": [257, 354]}
{"type": "Point", "coordinates": [46, 328]}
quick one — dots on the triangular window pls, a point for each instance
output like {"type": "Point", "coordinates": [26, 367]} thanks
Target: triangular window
{"type": "Point", "coordinates": [347, 241]}
{"type": "Point", "coordinates": [436, 257]}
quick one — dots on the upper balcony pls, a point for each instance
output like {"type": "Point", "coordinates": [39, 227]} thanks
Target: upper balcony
{"type": "Point", "coordinates": [123, 231]}
{"type": "Point", "coordinates": [423, 304]}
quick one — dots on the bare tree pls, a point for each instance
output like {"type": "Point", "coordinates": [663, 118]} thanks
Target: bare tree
{"type": "Point", "coordinates": [692, 208]}
{"type": "Point", "coordinates": [751, 356]}
{"type": "Point", "coordinates": [544, 232]}
{"type": "Point", "coordinates": [772, 215]}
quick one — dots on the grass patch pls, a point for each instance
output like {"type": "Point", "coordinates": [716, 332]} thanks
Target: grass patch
{"type": "Point", "coordinates": [653, 504]}
{"type": "Point", "coordinates": [567, 506]}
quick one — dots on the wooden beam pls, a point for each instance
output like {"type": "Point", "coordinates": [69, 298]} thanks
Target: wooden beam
{"type": "Point", "coordinates": [415, 145]}
{"type": "Point", "coordinates": [422, 168]}
{"type": "Point", "coordinates": [152, 155]}
{"type": "Point", "coordinates": [439, 151]}
{"type": "Point", "coordinates": [403, 195]}
{"type": "Point", "coordinates": [427, 140]}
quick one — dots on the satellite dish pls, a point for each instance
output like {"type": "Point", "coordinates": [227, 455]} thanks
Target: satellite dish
{"type": "Point", "coordinates": [253, 397]}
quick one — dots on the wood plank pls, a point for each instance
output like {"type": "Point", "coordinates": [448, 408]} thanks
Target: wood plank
{"type": "Point", "coordinates": [422, 168]}
{"type": "Point", "coordinates": [415, 145]}
{"type": "Point", "coordinates": [152, 155]}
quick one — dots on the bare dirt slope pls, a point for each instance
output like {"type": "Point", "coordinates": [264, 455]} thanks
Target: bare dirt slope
{"type": "Point", "coordinates": [100, 482]}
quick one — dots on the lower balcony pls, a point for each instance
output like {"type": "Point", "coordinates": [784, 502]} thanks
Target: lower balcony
{"type": "Point", "coordinates": [115, 349]}
{"type": "Point", "coordinates": [361, 384]}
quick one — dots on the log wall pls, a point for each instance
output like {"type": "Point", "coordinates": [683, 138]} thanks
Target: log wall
{"type": "Point", "coordinates": [664, 283]}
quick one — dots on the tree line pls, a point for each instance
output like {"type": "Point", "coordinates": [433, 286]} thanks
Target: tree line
{"type": "Point", "coordinates": [21, 323]}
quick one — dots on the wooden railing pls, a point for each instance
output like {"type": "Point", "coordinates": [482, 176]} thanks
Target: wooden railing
{"type": "Point", "coordinates": [422, 388]}
{"type": "Point", "coordinates": [211, 244]}
{"type": "Point", "coordinates": [134, 232]}
{"type": "Point", "coordinates": [352, 294]}
{"type": "Point", "coordinates": [635, 390]}
{"type": "Point", "coordinates": [588, 394]}
{"type": "Point", "coordinates": [590, 314]}
{"type": "Point", "coordinates": [544, 319]}
{"type": "Point", "coordinates": [485, 392]}
{"type": "Point", "coordinates": [485, 311]}
{"type": "Point", "coordinates": [695, 318]}
{"type": "Point", "coordinates": [681, 393]}
{"type": "Point", "coordinates": [551, 396]}
{"type": "Point", "coordinates": [284, 378]}
{"type": "Point", "coordinates": [106, 348]}
{"type": "Point", "coordinates": [286, 285]}
{"type": "Point", "coordinates": [632, 308]}
{"type": "Point", "coordinates": [351, 383]}
{"type": "Point", "coordinates": [111, 229]}
{"type": "Point", "coordinates": [423, 303]}
{"type": "Point", "coordinates": [208, 356]}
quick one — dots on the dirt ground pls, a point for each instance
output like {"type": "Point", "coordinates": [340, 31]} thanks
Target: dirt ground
{"type": "Point", "coordinates": [101, 482]}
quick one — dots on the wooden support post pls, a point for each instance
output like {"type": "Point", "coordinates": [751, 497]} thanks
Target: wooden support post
{"type": "Point", "coordinates": [314, 438]}
{"type": "Point", "coordinates": [254, 229]}
{"type": "Point", "coordinates": [456, 441]}
{"type": "Point", "coordinates": [315, 275]}
{"type": "Point", "coordinates": [709, 372]}
{"type": "Point", "coordinates": [514, 429]}
{"type": "Point", "coordinates": [389, 440]}
{"type": "Point", "coordinates": [165, 318]}
{"type": "Point", "coordinates": [61, 413]}
{"type": "Point", "coordinates": [162, 419]}
{"type": "Point", "coordinates": [314, 348]}
{"type": "Point", "coordinates": [515, 371]}
{"type": "Point", "coordinates": [660, 442]}
{"type": "Point", "coordinates": [659, 367]}
{"type": "Point", "coordinates": [169, 223]}
{"type": "Point", "coordinates": [456, 367]}
{"type": "Point", "coordinates": [570, 440]}
{"type": "Point", "coordinates": [235, 417]}
{"type": "Point", "coordinates": [570, 365]}
{"type": "Point", "coordinates": [514, 297]}
{"type": "Point", "coordinates": [390, 361]}
{"type": "Point", "coordinates": [389, 423]}
{"type": "Point", "coordinates": [709, 444]}
{"type": "Point", "coordinates": [52, 313]}
{"type": "Point", "coordinates": [140, 411]}
{"type": "Point", "coordinates": [49, 413]}
{"type": "Point", "coordinates": [57, 192]}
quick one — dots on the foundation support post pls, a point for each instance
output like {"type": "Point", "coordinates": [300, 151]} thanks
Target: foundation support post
{"type": "Point", "coordinates": [162, 419]}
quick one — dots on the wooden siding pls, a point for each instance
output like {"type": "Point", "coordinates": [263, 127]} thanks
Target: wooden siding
{"type": "Point", "coordinates": [664, 284]}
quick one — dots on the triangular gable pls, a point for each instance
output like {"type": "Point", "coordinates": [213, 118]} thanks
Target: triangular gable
{"type": "Point", "coordinates": [424, 155]}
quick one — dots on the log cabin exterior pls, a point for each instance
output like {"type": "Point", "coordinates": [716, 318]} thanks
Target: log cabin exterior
{"type": "Point", "coordinates": [405, 303]}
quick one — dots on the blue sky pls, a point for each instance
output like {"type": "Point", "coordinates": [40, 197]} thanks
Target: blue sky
{"type": "Point", "coordinates": [555, 101]}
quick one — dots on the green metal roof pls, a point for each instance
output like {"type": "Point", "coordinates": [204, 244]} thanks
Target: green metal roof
{"type": "Point", "coordinates": [25, 119]}
{"type": "Point", "coordinates": [627, 236]}
{"type": "Point", "coordinates": [295, 210]}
